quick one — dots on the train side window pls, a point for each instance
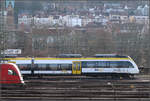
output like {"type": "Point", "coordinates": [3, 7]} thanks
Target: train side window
{"type": "Point", "coordinates": [28, 66]}
{"type": "Point", "coordinates": [127, 65]}
{"type": "Point", "coordinates": [103, 64]}
{"type": "Point", "coordinates": [84, 64]}
{"type": "Point", "coordinates": [120, 64]}
{"type": "Point", "coordinates": [47, 67]}
{"type": "Point", "coordinates": [53, 66]}
{"type": "Point", "coordinates": [42, 66]}
{"type": "Point", "coordinates": [65, 66]}
{"type": "Point", "coordinates": [59, 67]}
{"type": "Point", "coordinates": [24, 66]}
{"type": "Point", "coordinates": [70, 66]}
{"type": "Point", "coordinates": [113, 64]}
{"type": "Point", "coordinates": [20, 67]}
{"type": "Point", "coordinates": [124, 64]}
{"type": "Point", "coordinates": [91, 64]}
{"type": "Point", "coordinates": [36, 67]}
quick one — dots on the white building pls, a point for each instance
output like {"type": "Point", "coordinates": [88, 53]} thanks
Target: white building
{"type": "Point", "coordinates": [72, 20]}
{"type": "Point", "coordinates": [145, 10]}
{"type": "Point", "coordinates": [141, 19]}
{"type": "Point", "coordinates": [85, 21]}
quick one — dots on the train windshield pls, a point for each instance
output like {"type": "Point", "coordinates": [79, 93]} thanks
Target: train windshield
{"type": "Point", "coordinates": [11, 72]}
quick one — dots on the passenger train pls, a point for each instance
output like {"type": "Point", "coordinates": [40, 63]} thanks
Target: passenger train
{"type": "Point", "coordinates": [10, 74]}
{"type": "Point", "coordinates": [75, 64]}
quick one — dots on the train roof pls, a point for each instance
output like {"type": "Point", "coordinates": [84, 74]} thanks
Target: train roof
{"type": "Point", "coordinates": [74, 56]}
{"type": "Point", "coordinates": [89, 58]}
{"type": "Point", "coordinates": [69, 56]}
{"type": "Point", "coordinates": [110, 56]}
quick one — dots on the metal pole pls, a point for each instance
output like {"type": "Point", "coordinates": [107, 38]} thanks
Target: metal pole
{"type": "Point", "coordinates": [2, 30]}
{"type": "Point", "coordinates": [2, 34]}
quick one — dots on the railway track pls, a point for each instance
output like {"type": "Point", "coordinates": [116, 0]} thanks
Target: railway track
{"type": "Point", "coordinates": [76, 88]}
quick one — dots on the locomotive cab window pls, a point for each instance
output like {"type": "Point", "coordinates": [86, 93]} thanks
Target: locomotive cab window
{"type": "Point", "coordinates": [125, 64]}
{"type": "Point", "coordinates": [11, 72]}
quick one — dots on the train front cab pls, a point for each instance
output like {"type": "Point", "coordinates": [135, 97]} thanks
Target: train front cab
{"type": "Point", "coordinates": [115, 72]}
{"type": "Point", "coordinates": [10, 75]}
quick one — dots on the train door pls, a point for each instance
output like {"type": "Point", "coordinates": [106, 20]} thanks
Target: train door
{"type": "Point", "coordinates": [76, 67]}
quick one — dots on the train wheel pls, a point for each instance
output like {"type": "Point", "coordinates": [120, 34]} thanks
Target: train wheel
{"type": "Point", "coordinates": [126, 76]}
{"type": "Point", "coordinates": [121, 77]}
{"type": "Point", "coordinates": [132, 76]}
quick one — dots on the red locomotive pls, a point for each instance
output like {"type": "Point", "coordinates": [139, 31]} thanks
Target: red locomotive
{"type": "Point", "coordinates": [10, 74]}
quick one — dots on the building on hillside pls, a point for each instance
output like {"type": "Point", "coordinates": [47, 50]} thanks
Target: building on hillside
{"type": "Point", "coordinates": [118, 17]}
{"type": "Point", "coordinates": [47, 42]}
{"type": "Point", "coordinates": [131, 28]}
{"type": "Point", "coordinates": [140, 19]}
